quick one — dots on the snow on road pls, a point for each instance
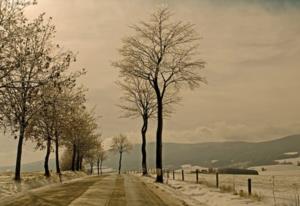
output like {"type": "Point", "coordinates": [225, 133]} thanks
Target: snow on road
{"type": "Point", "coordinates": [108, 190]}
{"type": "Point", "coordinates": [121, 190]}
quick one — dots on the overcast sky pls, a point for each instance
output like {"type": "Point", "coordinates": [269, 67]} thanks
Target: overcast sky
{"type": "Point", "coordinates": [252, 50]}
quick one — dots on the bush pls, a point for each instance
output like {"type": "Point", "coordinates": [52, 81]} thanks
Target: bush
{"type": "Point", "coordinates": [226, 188]}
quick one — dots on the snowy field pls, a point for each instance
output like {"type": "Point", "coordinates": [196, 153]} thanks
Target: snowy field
{"type": "Point", "coordinates": [30, 181]}
{"type": "Point", "coordinates": [198, 194]}
{"type": "Point", "coordinates": [277, 185]}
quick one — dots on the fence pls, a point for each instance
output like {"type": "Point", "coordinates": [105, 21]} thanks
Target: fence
{"type": "Point", "coordinates": [279, 188]}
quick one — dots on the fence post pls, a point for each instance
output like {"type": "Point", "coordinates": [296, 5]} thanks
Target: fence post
{"type": "Point", "coordinates": [182, 175]}
{"type": "Point", "coordinates": [168, 174]}
{"type": "Point", "coordinates": [197, 176]}
{"type": "Point", "coordinates": [173, 174]}
{"type": "Point", "coordinates": [249, 186]}
{"type": "Point", "coordinates": [217, 180]}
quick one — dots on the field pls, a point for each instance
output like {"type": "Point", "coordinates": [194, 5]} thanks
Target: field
{"type": "Point", "coordinates": [276, 185]}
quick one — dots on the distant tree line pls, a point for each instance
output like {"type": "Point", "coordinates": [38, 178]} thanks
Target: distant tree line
{"type": "Point", "coordinates": [40, 99]}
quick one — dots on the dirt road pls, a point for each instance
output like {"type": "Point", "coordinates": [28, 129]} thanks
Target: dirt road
{"type": "Point", "coordinates": [109, 190]}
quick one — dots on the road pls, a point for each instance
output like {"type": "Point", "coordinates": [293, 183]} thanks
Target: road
{"type": "Point", "coordinates": [108, 190]}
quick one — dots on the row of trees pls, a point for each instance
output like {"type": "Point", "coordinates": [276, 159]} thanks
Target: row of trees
{"type": "Point", "coordinates": [156, 62]}
{"type": "Point", "coordinates": [39, 97]}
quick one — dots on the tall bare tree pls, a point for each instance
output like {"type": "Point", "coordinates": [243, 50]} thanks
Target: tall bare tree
{"type": "Point", "coordinates": [120, 144]}
{"type": "Point", "coordinates": [164, 53]}
{"type": "Point", "coordinates": [138, 100]}
{"type": "Point", "coordinates": [43, 128]}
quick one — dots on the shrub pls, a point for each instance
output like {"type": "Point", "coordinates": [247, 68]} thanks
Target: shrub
{"type": "Point", "coordinates": [226, 188]}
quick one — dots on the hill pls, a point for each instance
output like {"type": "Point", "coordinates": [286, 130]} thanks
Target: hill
{"type": "Point", "coordinates": [30, 167]}
{"type": "Point", "coordinates": [224, 154]}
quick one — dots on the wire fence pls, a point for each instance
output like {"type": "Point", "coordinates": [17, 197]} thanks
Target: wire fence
{"type": "Point", "coordinates": [280, 189]}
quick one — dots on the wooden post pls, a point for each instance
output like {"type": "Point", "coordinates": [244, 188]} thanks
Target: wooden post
{"type": "Point", "coordinates": [173, 174]}
{"type": "Point", "coordinates": [197, 176]}
{"type": "Point", "coordinates": [217, 180]}
{"type": "Point", "coordinates": [60, 177]}
{"type": "Point", "coordinates": [249, 186]}
{"type": "Point", "coordinates": [182, 175]}
{"type": "Point", "coordinates": [168, 174]}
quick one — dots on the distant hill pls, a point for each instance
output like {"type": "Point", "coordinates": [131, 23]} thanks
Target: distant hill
{"type": "Point", "coordinates": [30, 167]}
{"type": "Point", "coordinates": [225, 154]}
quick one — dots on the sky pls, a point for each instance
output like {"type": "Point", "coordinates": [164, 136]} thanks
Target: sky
{"type": "Point", "coordinates": [251, 49]}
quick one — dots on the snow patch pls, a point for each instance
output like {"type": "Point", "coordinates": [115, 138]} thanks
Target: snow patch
{"type": "Point", "coordinates": [31, 180]}
{"type": "Point", "coordinates": [291, 153]}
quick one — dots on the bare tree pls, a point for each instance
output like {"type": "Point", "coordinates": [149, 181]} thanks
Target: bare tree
{"type": "Point", "coordinates": [80, 134]}
{"type": "Point", "coordinates": [101, 155]}
{"type": "Point", "coordinates": [164, 53]}
{"type": "Point", "coordinates": [43, 126]}
{"type": "Point", "coordinates": [139, 101]}
{"type": "Point", "coordinates": [53, 97]}
{"type": "Point", "coordinates": [34, 67]}
{"type": "Point", "coordinates": [91, 159]}
{"type": "Point", "coordinates": [120, 144]}
{"type": "Point", "coordinates": [63, 94]}
{"type": "Point", "coordinates": [67, 106]}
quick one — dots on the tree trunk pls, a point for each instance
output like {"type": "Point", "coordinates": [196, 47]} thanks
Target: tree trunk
{"type": "Point", "coordinates": [73, 157]}
{"type": "Point", "coordinates": [92, 168]}
{"type": "Point", "coordinates": [57, 153]}
{"type": "Point", "coordinates": [98, 166]}
{"type": "Point", "coordinates": [101, 161]}
{"type": "Point", "coordinates": [80, 163]}
{"type": "Point", "coordinates": [46, 163]}
{"type": "Point", "coordinates": [159, 174]}
{"type": "Point", "coordinates": [19, 152]}
{"type": "Point", "coordinates": [78, 160]}
{"type": "Point", "coordinates": [120, 162]}
{"type": "Point", "coordinates": [144, 153]}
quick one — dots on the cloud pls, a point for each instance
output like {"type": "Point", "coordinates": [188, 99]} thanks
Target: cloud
{"type": "Point", "coordinates": [222, 132]}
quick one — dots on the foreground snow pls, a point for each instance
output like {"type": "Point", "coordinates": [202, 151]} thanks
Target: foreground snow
{"type": "Point", "coordinates": [31, 180]}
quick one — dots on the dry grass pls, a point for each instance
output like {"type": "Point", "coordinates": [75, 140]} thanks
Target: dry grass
{"type": "Point", "coordinates": [227, 188]}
